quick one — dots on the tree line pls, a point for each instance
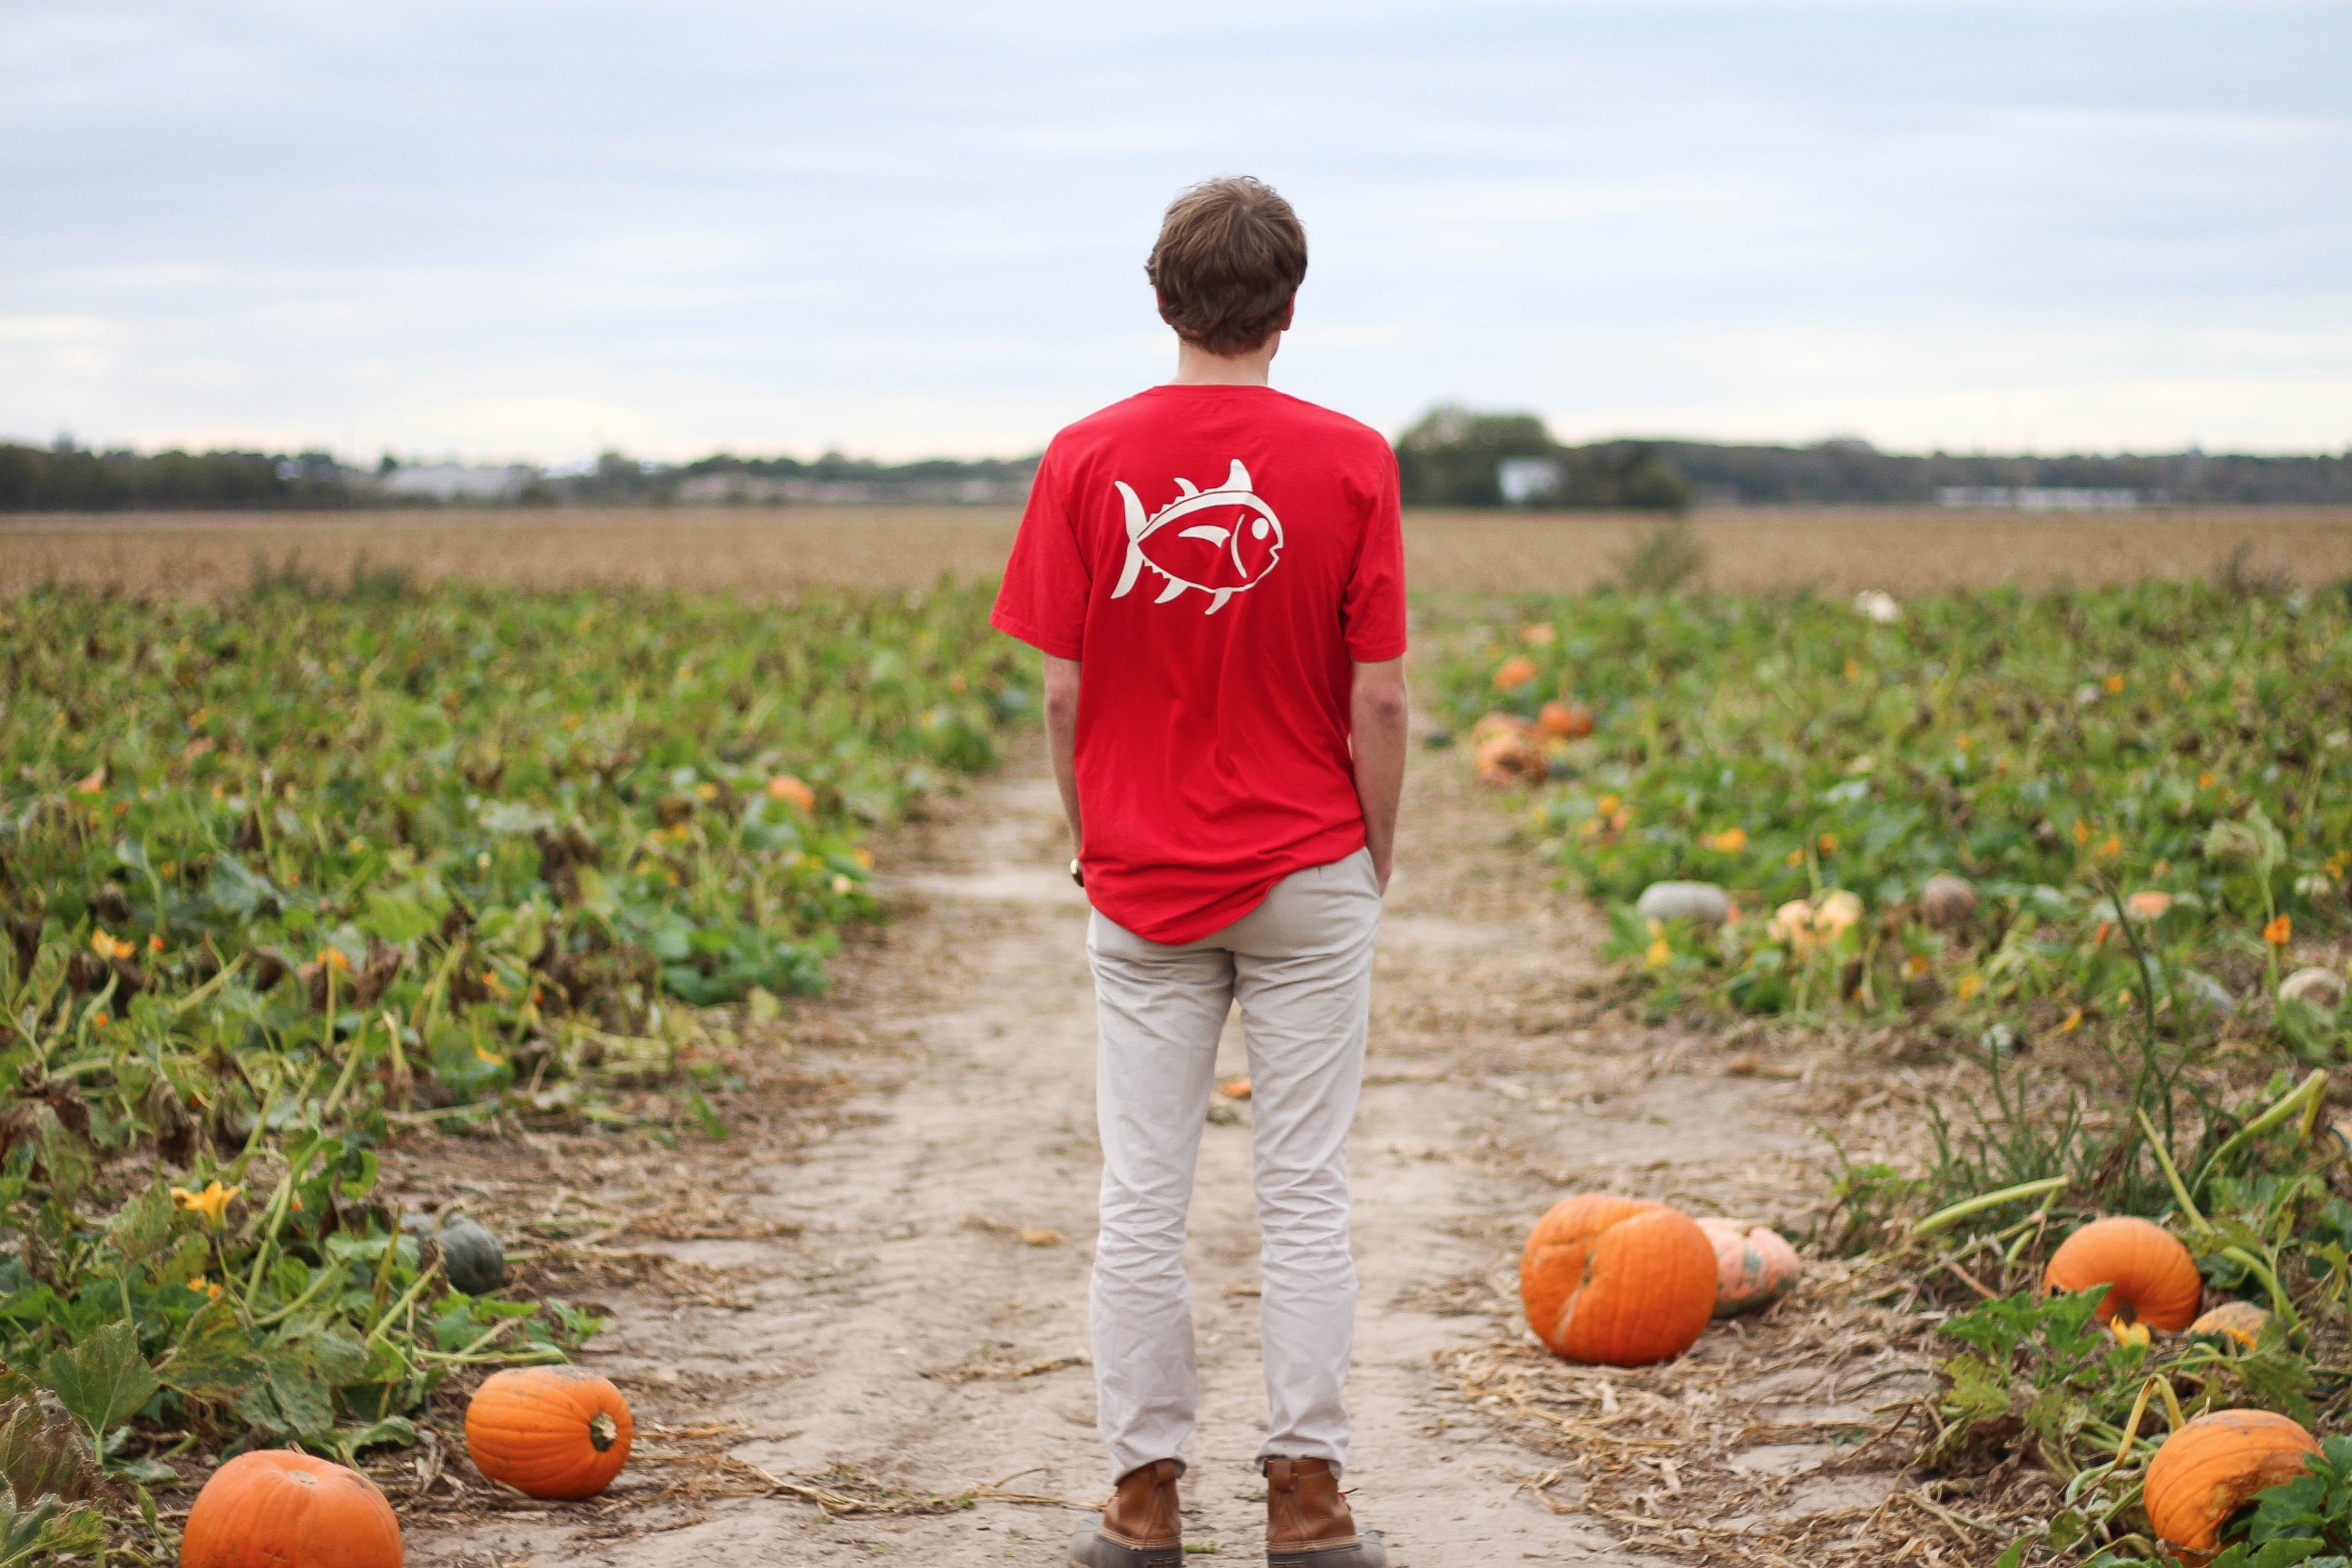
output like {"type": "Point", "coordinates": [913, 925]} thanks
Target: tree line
{"type": "Point", "coordinates": [1453, 456]}
{"type": "Point", "coordinates": [1457, 457]}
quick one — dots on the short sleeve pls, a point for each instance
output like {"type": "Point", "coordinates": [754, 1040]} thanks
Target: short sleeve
{"type": "Point", "coordinates": [1042, 600]}
{"type": "Point", "coordinates": [1371, 611]}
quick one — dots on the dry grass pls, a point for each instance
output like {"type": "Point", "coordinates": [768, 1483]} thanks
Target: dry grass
{"type": "Point", "coordinates": [770, 552]}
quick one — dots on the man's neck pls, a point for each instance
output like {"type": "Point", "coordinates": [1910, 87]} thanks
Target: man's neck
{"type": "Point", "coordinates": [1196, 366]}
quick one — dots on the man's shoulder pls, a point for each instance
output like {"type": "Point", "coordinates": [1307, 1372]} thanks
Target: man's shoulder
{"type": "Point", "coordinates": [1333, 424]}
{"type": "Point", "coordinates": [1150, 409]}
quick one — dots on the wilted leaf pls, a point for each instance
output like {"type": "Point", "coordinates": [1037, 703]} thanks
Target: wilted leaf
{"type": "Point", "coordinates": [47, 1530]}
{"type": "Point", "coordinates": [42, 1455]}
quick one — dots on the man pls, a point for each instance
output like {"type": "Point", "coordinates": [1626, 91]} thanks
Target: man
{"type": "Point", "coordinates": [1215, 573]}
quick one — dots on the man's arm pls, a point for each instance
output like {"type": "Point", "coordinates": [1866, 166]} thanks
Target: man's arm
{"type": "Point", "coordinates": [1062, 738]}
{"type": "Point", "coordinates": [1380, 714]}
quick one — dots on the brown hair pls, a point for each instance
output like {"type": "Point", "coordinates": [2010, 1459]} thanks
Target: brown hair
{"type": "Point", "coordinates": [1231, 253]}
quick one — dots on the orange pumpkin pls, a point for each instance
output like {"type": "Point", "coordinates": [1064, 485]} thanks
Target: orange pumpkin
{"type": "Point", "coordinates": [1514, 672]}
{"type": "Point", "coordinates": [2150, 1277]}
{"type": "Point", "coordinates": [1568, 720]}
{"type": "Point", "coordinates": [270, 1508]}
{"type": "Point", "coordinates": [1505, 756]}
{"type": "Point", "coordinates": [2211, 1468]}
{"type": "Point", "coordinates": [1753, 1267]}
{"type": "Point", "coordinates": [2238, 1324]}
{"type": "Point", "coordinates": [1617, 1281]}
{"type": "Point", "coordinates": [548, 1431]}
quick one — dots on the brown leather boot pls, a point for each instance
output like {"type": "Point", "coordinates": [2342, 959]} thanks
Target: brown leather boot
{"type": "Point", "coordinates": [1307, 1523]}
{"type": "Point", "coordinates": [1142, 1525]}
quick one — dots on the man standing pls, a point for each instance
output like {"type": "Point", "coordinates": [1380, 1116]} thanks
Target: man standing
{"type": "Point", "coordinates": [1215, 573]}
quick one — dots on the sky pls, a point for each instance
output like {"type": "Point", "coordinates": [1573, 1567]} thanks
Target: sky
{"type": "Point", "coordinates": [534, 231]}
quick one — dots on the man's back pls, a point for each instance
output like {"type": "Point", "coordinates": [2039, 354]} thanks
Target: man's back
{"type": "Point", "coordinates": [1217, 557]}
{"type": "Point", "coordinates": [1215, 573]}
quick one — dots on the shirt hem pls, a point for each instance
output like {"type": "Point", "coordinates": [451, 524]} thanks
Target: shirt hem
{"type": "Point", "coordinates": [1042, 641]}
{"type": "Point", "coordinates": [1193, 926]}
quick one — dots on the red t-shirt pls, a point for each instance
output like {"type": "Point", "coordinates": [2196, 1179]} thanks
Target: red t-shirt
{"type": "Point", "coordinates": [1214, 557]}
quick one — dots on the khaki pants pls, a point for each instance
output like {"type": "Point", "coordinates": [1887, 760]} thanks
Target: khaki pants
{"type": "Point", "coordinates": [1300, 964]}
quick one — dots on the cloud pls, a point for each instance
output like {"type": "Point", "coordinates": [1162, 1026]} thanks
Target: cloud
{"type": "Point", "coordinates": [512, 228]}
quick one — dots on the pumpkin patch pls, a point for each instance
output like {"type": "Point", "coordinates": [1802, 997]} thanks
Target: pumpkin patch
{"type": "Point", "coordinates": [1617, 1281]}
{"type": "Point", "coordinates": [554, 1432]}
{"type": "Point", "coordinates": [1754, 1267]}
{"type": "Point", "coordinates": [2213, 1467]}
{"type": "Point", "coordinates": [274, 1509]}
{"type": "Point", "coordinates": [2150, 1278]}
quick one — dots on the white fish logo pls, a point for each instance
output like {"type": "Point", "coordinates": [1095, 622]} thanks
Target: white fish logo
{"type": "Point", "coordinates": [1226, 560]}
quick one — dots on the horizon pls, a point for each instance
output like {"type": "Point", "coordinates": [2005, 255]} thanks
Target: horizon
{"type": "Point", "coordinates": [2074, 227]}
{"type": "Point", "coordinates": [579, 464]}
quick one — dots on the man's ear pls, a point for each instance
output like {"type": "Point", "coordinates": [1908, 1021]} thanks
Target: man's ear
{"type": "Point", "coordinates": [1288, 313]}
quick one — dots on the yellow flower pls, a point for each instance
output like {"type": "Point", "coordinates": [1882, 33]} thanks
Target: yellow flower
{"type": "Point", "coordinates": [107, 946]}
{"type": "Point", "coordinates": [155, 943]}
{"type": "Point", "coordinates": [212, 1203]}
{"type": "Point", "coordinates": [2280, 932]}
{"type": "Point", "coordinates": [2129, 1333]}
{"type": "Point", "coordinates": [2204, 781]}
{"type": "Point", "coordinates": [1853, 669]}
{"type": "Point", "coordinates": [2082, 832]}
{"type": "Point", "coordinates": [1606, 805]}
{"type": "Point", "coordinates": [1730, 841]}
{"type": "Point", "coordinates": [99, 1019]}
{"type": "Point", "coordinates": [1796, 856]}
{"type": "Point", "coordinates": [864, 858]}
{"type": "Point", "coordinates": [488, 1057]}
{"type": "Point", "coordinates": [333, 958]}
{"type": "Point", "coordinates": [1916, 965]}
{"type": "Point", "coordinates": [203, 1287]}
{"type": "Point", "coordinates": [2072, 1022]}
{"type": "Point", "coordinates": [1828, 843]}
{"type": "Point", "coordinates": [706, 791]}
{"type": "Point", "coordinates": [2112, 845]}
{"type": "Point", "coordinates": [1969, 984]}
{"type": "Point", "coordinates": [1659, 955]}
{"type": "Point", "coordinates": [2115, 684]}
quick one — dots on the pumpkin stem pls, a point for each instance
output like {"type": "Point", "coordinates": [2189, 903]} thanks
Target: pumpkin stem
{"type": "Point", "coordinates": [603, 1431]}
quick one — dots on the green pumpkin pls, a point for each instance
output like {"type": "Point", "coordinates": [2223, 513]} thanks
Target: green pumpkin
{"type": "Point", "coordinates": [477, 1264]}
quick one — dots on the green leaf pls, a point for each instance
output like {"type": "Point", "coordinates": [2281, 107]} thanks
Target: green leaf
{"type": "Point", "coordinates": [301, 1373]}
{"type": "Point", "coordinates": [395, 1430]}
{"type": "Point", "coordinates": [394, 917]}
{"type": "Point", "coordinates": [102, 1381]}
{"type": "Point", "coordinates": [217, 1359]}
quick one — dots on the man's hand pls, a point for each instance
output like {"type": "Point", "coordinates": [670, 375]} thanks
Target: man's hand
{"type": "Point", "coordinates": [1380, 712]}
{"type": "Point", "coordinates": [1062, 738]}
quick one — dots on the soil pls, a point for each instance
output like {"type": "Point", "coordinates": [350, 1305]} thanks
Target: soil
{"type": "Point", "coordinates": [770, 550]}
{"type": "Point", "coordinates": [871, 1347]}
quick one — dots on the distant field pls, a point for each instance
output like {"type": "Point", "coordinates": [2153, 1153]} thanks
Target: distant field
{"type": "Point", "coordinates": [769, 553]}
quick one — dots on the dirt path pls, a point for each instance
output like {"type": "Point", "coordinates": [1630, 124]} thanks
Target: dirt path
{"type": "Point", "coordinates": [923, 1331]}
